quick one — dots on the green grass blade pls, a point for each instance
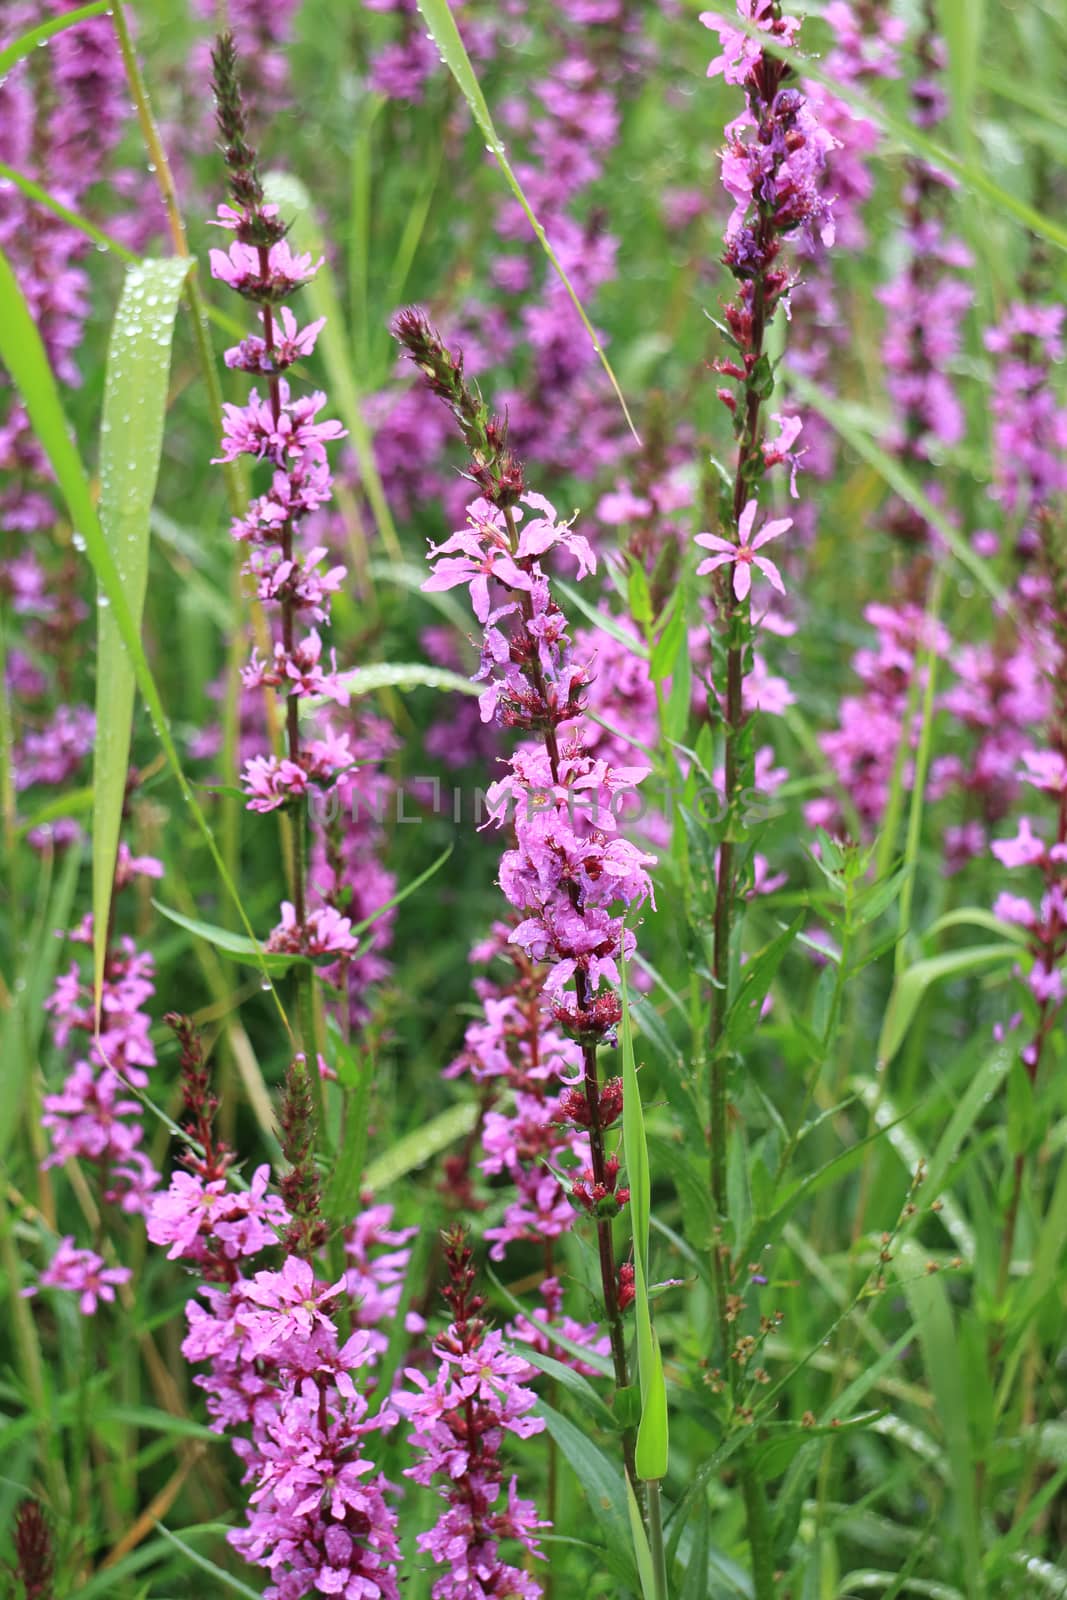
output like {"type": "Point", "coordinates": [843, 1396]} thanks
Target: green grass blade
{"type": "Point", "coordinates": [420, 1146]}
{"type": "Point", "coordinates": [929, 1305]}
{"type": "Point", "coordinates": [131, 442]}
{"type": "Point", "coordinates": [442, 26]}
{"type": "Point", "coordinates": [923, 756]}
{"type": "Point", "coordinates": [652, 1440]}
{"type": "Point", "coordinates": [396, 675]}
{"type": "Point", "coordinates": [27, 42]}
{"type": "Point", "coordinates": [639, 1540]}
{"type": "Point", "coordinates": [73, 219]}
{"type": "Point", "coordinates": [899, 480]}
{"type": "Point", "coordinates": [23, 353]}
{"type": "Point", "coordinates": [602, 1483]}
{"type": "Point", "coordinates": [912, 984]}
{"type": "Point", "coordinates": [225, 1579]}
{"type": "Point", "coordinates": [290, 195]}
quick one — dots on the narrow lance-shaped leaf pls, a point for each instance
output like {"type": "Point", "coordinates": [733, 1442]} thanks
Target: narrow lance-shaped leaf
{"type": "Point", "coordinates": [131, 440]}
{"type": "Point", "coordinates": [22, 352]}
{"type": "Point", "coordinates": [651, 1448]}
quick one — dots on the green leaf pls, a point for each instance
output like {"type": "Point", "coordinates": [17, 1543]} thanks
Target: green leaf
{"type": "Point", "coordinates": [225, 1579]}
{"type": "Point", "coordinates": [131, 442]}
{"type": "Point", "coordinates": [757, 975]}
{"type": "Point", "coordinates": [394, 675]}
{"type": "Point", "coordinates": [442, 26]}
{"type": "Point", "coordinates": [639, 1539]}
{"type": "Point", "coordinates": [23, 353]}
{"type": "Point", "coordinates": [912, 984]}
{"type": "Point", "coordinates": [24, 1017]}
{"type": "Point", "coordinates": [638, 594]}
{"type": "Point", "coordinates": [341, 1199]}
{"type": "Point", "coordinates": [27, 42]}
{"type": "Point", "coordinates": [600, 1479]}
{"type": "Point", "coordinates": [651, 1450]}
{"type": "Point", "coordinates": [860, 439]}
{"type": "Point", "coordinates": [420, 1146]}
{"type": "Point", "coordinates": [928, 1302]}
{"type": "Point", "coordinates": [579, 1352]}
{"type": "Point", "coordinates": [679, 701]}
{"type": "Point", "coordinates": [601, 619]}
{"type": "Point", "coordinates": [233, 944]}
{"type": "Point", "coordinates": [402, 894]}
{"type": "Point", "coordinates": [575, 1384]}
{"type": "Point", "coordinates": [74, 219]}
{"type": "Point", "coordinates": [977, 917]}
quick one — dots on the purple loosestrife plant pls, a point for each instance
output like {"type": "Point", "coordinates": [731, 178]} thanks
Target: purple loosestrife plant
{"type": "Point", "coordinates": [531, 1113]}
{"type": "Point", "coordinates": [95, 1117]}
{"type": "Point", "coordinates": [281, 1377]}
{"type": "Point", "coordinates": [772, 169]}
{"type": "Point", "coordinates": [926, 304]}
{"type": "Point", "coordinates": [460, 1421]}
{"type": "Point", "coordinates": [569, 875]}
{"type": "Point", "coordinates": [281, 431]}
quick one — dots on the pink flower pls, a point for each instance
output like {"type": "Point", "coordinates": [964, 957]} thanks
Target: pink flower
{"type": "Point", "coordinates": [739, 50]}
{"type": "Point", "coordinates": [743, 554]}
{"type": "Point", "coordinates": [292, 1302]}
{"type": "Point", "coordinates": [325, 932]}
{"type": "Point", "coordinates": [82, 1272]}
{"type": "Point", "coordinates": [1046, 769]}
{"type": "Point", "coordinates": [1025, 850]}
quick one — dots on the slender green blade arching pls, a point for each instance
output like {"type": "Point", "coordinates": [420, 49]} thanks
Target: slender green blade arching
{"type": "Point", "coordinates": [131, 443]}
{"type": "Point", "coordinates": [27, 42]}
{"type": "Point", "coordinates": [442, 26]}
{"type": "Point", "coordinates": [897, 477]}
{"type": "Point", "coordinates": [23, 354]}
{"type": "Point", "coordinates": [652, 1443]}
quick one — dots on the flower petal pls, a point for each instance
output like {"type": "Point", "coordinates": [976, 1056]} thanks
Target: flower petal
{"type": "Point", "coordinates": [771, 531]}
{"type": "Point", "coordinates": [770, 572]}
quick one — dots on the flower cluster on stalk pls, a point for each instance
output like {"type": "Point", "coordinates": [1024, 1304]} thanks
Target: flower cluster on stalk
{"type": "Point", "coordinates": [282, 1378]}
{"type": "Point", "coordinates": [773, 170]}
{"type": "Point", "coordinates": [460, 1420]}
{"type": "Point", "coordinates": [570, 876]}
{"type": "Point", "coordinates": [281, 430]}
{"type": "Point", "coordinates": [95, 1117]}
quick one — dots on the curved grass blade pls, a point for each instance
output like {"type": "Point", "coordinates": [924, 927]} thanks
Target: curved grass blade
{"type": "Point", "coordinates": [23, 353]}
{"type": "Point", "coordinates": [420, 1146]}
{"type": "Point", "coordinates": [73, 219]}
{"type": "Point", "coordinates": [395, 675]}
{"type": "Point", "coordinates": [911, 986]}
{"type": "Point", "coordinates": [290, 195]}
{"type": "Point", "coordinates": [225, 1579]}
{"type": "Point", "coordinates": [442, 26]}
{"type": "Point", "coordinates": [652, 1445]}
{"type": "Point", "coordinates": [890, 470]}
{"type": "Point", "coordinates": [131, 442]}
{"type": "Point", "coordinates": [27, 42]}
